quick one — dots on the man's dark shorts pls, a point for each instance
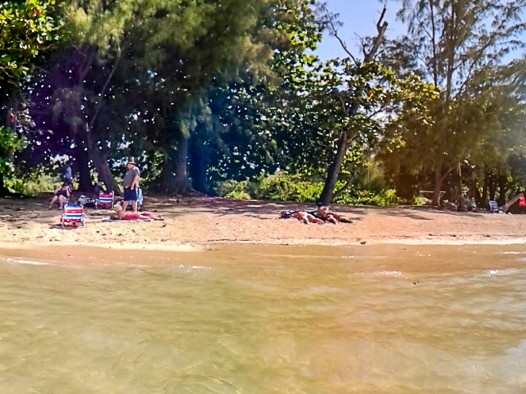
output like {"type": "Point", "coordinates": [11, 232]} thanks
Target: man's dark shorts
{"type": "Point", "coordinates": [130, 194]}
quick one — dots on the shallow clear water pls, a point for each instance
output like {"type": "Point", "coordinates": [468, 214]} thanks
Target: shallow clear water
{"type": "Point", "coordinates": [276, 320]}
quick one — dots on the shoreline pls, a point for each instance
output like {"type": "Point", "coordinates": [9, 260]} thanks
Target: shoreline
{"type": "Point", "coordinates": [383, 256]}
{"type": "Point", "coordinates": [198, 225]}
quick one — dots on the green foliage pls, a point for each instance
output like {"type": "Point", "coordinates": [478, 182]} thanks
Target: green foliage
{"type": "Point", "coordinates": [383, 198]}
{"type": "Point", "coordinates": [31, 184]}
{"type": "Point", "coordinates": [229, 187]}
{"type": "Point", "coordinates": [239, 195]}
{"type": "Point", "coordinates": [228, 89]}
{"type": "Point", "coordinates": [195, 69]}
{"type": "Point", "coordinates": [465, 48]}
{"type": "Point", "coordinates": [420, 201]}
{"type": "Point", "coordinates": [26, 27]}
{"type": "Point", "coordinates": [10, 142]}
{"type": "Point", "coordinates": [275, 187]}
{"type": "Point", "coordinates": [286, 187]}
{"type": "Point", "coordinates": [278, 187]}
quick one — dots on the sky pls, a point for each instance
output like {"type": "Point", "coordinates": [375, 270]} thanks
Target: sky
{"type": "Point", "coordinates": [359, 18]}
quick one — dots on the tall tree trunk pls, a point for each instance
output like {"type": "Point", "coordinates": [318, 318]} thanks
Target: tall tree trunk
{"type": "Point", "coordinates": [176, 161]}
{"type": "Point", "coordinates": [168, 171]}
{"type": "Point", "coordinates": [502, 189]}
{"type": "Point", "coordinates": [475, 192]}
{"type": "Point", "coordinates": [10, 121]}
{"type": "Point", "coordinates": [104, 171]}
{"type": "Point", "coordinates": [333, 171]}
{"type": "Point", "coordinates": [485, 187]}
{"type": "Point", "coordinates": [440, 177]}
{"type": "Point", "coordinates": [82, 160]}
{"type": "Point", "coordinates": [405, 184]}
{"type": "Point", "coordinates": [97, 156]}
{"type": "Point", "coordinates": [182, 185]}
{"type": "Point", "coordinates": [100, 163]}
{"type": "Point", "coordinates": [200, 155]}
{"type": "Point", "coordinates": [437, 187]}
{"type": "Point", "coordinates": [492, 188]}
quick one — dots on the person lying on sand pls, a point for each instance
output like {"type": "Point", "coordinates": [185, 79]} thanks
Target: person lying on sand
{"type": "Point", "coordinates": [305, 217]}
{"type": "Point", "coordinates": [324, 212]}
{"type": "Point", "coordinates": [123, 215]}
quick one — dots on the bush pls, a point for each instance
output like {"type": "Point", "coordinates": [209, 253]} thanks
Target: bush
{"type": "Point", "coordinates": [384, 198]}
{"type": "Point", "coordinates": [274, 187]}
{"type": "Point", "coordinates": [234, 189]}
{"type": "Point", "coordinates": [237, 195]}
{"type": "Point", "coordinates": [31, 185]}
{"type": "Point", "coordinates": [285, 187]}
{"type": "Point", "coordinates": [420, 200]}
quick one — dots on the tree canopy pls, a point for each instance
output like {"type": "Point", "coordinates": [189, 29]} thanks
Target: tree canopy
{"type": "Point", "coordinates": [205, 92]}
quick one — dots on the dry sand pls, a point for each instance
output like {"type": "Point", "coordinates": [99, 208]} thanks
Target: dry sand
{"type": "Point", "coordinates": [196, 224]}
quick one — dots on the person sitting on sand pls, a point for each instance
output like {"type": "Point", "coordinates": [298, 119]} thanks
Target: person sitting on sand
{"type": "Point", "coordinates": [305, 217]}
{"type": "Point", "coordinates": [123, 215]}
{"type": "Point", "coordinates": [60, 196]}
{"type": "Point", "coordinates": [324, 212]}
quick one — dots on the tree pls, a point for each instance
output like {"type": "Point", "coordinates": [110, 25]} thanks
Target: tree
{"type": "Point", "coordinates": [77, 85]}
{"type": "Point", "coordinates": [463, 48]}
{"type": "Point", "coordinates": [342, 107]}
{"type": "Point", "coordinates": [203, 92]}
{"type": "Point", "coordinates": [27, 28]}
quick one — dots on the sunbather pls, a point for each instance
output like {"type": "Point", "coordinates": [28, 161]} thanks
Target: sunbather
{"type": "Point", "coordinates": [60, 196]}
{"type": "Point", "coordinates": [123, 215]}
{"type": "Point", "coordinates": [305, 217]}
{"type": "Point", "coordinates": [324, 212]}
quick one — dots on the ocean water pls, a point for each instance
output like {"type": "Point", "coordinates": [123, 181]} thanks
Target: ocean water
{"type": "Point", "coordinates": [269, 320]}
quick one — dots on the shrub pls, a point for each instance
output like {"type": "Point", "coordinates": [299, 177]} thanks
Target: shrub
{"type": "Point", "coordinates": [384, 198]}
{"type": "Point", "coordinates": [238, 195]}
{"type": "Point", "coordinates": [238, 190]}
{"type": "Point", "coordinates": [274, 187]}
{"type": "Point", "coordinates": [285, 187]}
{"type": "Point", "coordinates": [32, 184]}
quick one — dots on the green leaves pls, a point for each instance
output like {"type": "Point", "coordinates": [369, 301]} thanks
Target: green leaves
{"type": "Point", "coordinates": [26, 28]}
{"type": "Point", "coordinates": [463, 47]}
{"type": "Point", "coordinates": [10, 142]}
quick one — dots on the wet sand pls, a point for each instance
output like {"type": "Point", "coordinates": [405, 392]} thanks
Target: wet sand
{"type": "Point", "coordinates": [384, 257]}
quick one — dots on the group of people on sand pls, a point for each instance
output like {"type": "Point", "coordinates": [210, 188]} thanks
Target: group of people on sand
{"type": "Point", "coordinates": [131, 179]}
{"type": "Point", "coordinates": [131, 185]}
{"type": "Point", "coordinates": [320, 215]}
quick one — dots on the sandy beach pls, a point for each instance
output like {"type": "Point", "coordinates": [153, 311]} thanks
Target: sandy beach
{"type": "Point", "coordinates": [194, 224]}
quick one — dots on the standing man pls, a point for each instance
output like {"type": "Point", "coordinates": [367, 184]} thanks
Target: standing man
{"type": "Point", "coordinates": [131, 183]}
{"type": "Point", "coordinates": [68, 174]}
